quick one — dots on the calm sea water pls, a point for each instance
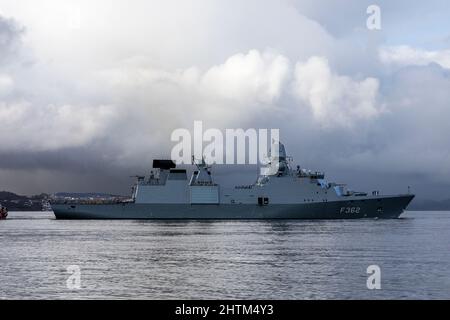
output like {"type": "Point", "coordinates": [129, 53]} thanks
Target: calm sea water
{"type": "Point", "coordinates": [225, 259]}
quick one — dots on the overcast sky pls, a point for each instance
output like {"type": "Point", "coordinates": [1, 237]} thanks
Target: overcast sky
{"type": "Point", "coordinates": [90, 91]}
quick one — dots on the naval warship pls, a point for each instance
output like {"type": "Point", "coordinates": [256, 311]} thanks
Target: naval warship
{"type": "Point", "coordinates": [280, 192]}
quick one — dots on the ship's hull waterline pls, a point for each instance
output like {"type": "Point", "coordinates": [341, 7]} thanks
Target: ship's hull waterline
{"type": "Point", "coordinates": [379, 207]}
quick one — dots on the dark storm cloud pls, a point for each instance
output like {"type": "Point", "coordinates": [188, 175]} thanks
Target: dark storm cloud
{"type": "Point", "coordinates": [71, 160]}
{"type": "Point", "coordinates": [10, 33]}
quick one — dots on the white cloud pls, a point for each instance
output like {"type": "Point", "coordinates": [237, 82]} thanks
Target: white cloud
{"type": "Point", "coordinates": [6, 84]}
{"type": "Point", "coordinates": [132, 108]}
{"type": "Point", "coordinates": [334, 99]}
{"type": "Point", "coordinates": [226, 94]}
{"type": "Point", "coordinates": [251, 76]}
{"type": "Point", "coordinates": [406, 55]}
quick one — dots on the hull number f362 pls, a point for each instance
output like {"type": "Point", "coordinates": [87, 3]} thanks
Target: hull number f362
{"type": "Point", "coordinates": [350, 210]}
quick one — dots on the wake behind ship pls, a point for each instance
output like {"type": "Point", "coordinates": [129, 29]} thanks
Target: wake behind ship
{"type": "Point", "coordinates": [280, 192]}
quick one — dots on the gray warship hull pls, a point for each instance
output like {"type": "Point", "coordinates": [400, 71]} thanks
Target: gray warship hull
{"type": "Point", "coordinates": [383, 207]}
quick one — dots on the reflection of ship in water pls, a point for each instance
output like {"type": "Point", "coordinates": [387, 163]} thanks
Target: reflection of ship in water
{"type": "Point", "coordinates": [280, 192]}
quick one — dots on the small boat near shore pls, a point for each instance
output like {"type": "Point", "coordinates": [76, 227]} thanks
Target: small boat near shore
{"type": "Point", "coordinates": [3, 212]}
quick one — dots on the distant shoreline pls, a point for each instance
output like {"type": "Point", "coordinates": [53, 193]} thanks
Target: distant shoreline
{"type": "Point", "coordinates": [20, 203]}
{"type": "Point", "coordinates": [414, 210]}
